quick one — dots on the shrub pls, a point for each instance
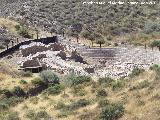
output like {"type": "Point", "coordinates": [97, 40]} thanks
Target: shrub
{"type": "Point", "coordinates": [27, 74]}
{"type": "Point", "coordinates": [111, 112]}
{"type": "Point", "coordinates": [7, 93]}
{"type": "Point", "coordinates": [103, 102]}
{"type": "Point", "coordinates": [2, 47]}
{"type": "Point", "coordinates": [3, 106]}
{"type": "Point", "coordinates": [152, 26]}
{"type": "Point", "coordinates": [106, 81]}
{"type": "Point", "coordinates": [136, 72]}
{"type": "Point", "coordinates": [23, 82]}
{"type": "Point", "coordinates": [80, 80]}
{"type": "Point", "coordinates": [34, 100]}
{"type": "Point", "coordinates": [143, 84]}
{"type": "Point", "coordinates": [101, 93]}
{"type": "Point", "coordinates": [17, 27]}
{"type": "Point", "coordinates": [62, 114]}
{"type": "Point", "coordinates": [140, 103]}
{"type": "Point", "coordinates": [5, 103]}
{"type": "Point", "coordinates": [155, 67]}
{"type": "Point", "coordinates": [37, 82]}
{"type": "Point", "coordinates": [78, 90]}
{"type": "Point", "coordinates": [57, 89]}
{"type": "Point", "coordinates": [42, 114]}
{"type": "Point", "coordinates": [81, 93]}
{"type": "Point", "coordinates": [18, 91]}
{"type": "Point", "coordinates": [38, 116]}
{"type": "Point", "coordinates": [78, 104]}
{"type": "Point", "coordinates": [49, 77]}
{"type": "Point", "coordinates": [22, 31]}
{"type": "Point", "coordinates": [117, 84]}
{"type": "Point", "coordinates": [60, 105]}
{"type": "Point", "coordinates": [13, 116]}
{"type": "Point", "coordinates": [30, 114]}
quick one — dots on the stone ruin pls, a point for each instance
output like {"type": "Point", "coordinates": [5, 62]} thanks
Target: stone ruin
{"type": "Point", "coordinates": [66, 56]}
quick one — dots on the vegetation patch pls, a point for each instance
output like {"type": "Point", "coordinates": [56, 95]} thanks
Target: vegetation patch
{"type": "Point", "coordinates": [105, 81]}
{"type": "Point", "coordinates": [136, 72]}
{"type": "Point", "coordinates": [55, 90]}
{"type": "Point", "coordinates": [22, 31]}
{"type": "Point", "coordinates": [27, 74]}
{"type": "Point", "coordinates": [101, 93]}
{"type": "Point", "coordinates": [23, 82]}
{"type": "Point", "coordinates": [78, 104]}
{"type": "Point", "coordinates": [141, 85]}
{"type": "Point", "coordinates": [111, 112]}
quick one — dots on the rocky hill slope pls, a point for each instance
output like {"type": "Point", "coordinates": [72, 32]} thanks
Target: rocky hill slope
{"type": "Point", "coordinates": [107, 20]}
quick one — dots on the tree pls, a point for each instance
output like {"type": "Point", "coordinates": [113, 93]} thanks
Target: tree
{"type": "Point", "coordinates": [100, 41]}
{"type": "Point", "coordinates": [49, 77]}
{"type": "Point", "coordinates": [155, 44]}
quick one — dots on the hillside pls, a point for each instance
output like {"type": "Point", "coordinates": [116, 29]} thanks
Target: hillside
{"type": "Point", "coordinates": [135, 97]}
{"type": "Point", "coordinates": [86, 20]}
{"type": "Point", "coordinates": [79, 61]}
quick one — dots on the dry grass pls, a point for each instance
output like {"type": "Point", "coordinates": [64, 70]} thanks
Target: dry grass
{"type": "Point", "coordinates": [141, 103]}
{"type": "Point", "coordinates": [137, 102]}
{"type": "Point", "coordinates": [9, 24]}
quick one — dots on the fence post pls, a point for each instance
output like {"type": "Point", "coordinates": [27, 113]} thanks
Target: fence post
{"type": "Point", "coordinates": [12, 43]}
{"type": "Point", "coordinates": [17, 40]}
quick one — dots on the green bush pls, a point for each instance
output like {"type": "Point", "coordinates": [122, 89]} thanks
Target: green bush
{"type": "Point", "coordinates": [18, 91]}
{"type": "Point", "coordinates": [117, 84]}
{"type": "Point", "coordinates": [49, 77]}
{"type": "Point", "coordinates": [62, 114]}
{"type": "Point", "coordinates": [111, 112]}
{"type": "Point", "coordinates": [5, 103]}
{"type": "Point", "coordinates": [78, 104]}
{"type": "Point", "coordinates": [155, 67]}
{"type": "Point", "coordinates": [106, 81]}
{"type": "Point", "coordinates": [17, 27]}
{"type": "Point", "coordinates": [78, 90]}
{"type": "Point", "coordinates": [22, 31]}
{"type": "Point", "coordinates": [60, 105]}
{"type": "Point", "coordinates": [23, 82]}
{"type": "Point", "coordinates": [136, 72]}
{"type": "Point", "coordinates": [56, 89]}
{"type": "Point", "coordinates": [30, 114]}
{"type": "Point", "coordinates": [152, 26]}
{"type": "Point", "coordinates": [13, 116]}
{"type": "Point", "coordinates": [143, 84]}
{"type": "Point", "coordinates": [82, 92]}
{"type": "Point", "coordinates": [42, 115]}
{"type": "Point", "coordinates": [72, 79]}
{"type": "Point", "coordinates": [80, 80]}
{"type": "Point", "coordinates": [3, 106]}
{"type": "Point", "coordinates": [101, 93]}
{"type": "Point", "coordinates": [27, 74]}
{"type": "Point", "coordinates": [103, 102]}
{"type": "Point", "coordinates": [37, 82]}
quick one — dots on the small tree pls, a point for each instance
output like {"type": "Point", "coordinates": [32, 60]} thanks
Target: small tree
{"type": "Point", "coordinates": [155, 44]}
{"type": "Point", "coordinates": [100, 41]}
{"type": "Point", "coordinates": [49, 77]}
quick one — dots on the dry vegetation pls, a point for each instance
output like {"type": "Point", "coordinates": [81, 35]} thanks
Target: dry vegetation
{"type": "Point", "coordinates": [84, 99]}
